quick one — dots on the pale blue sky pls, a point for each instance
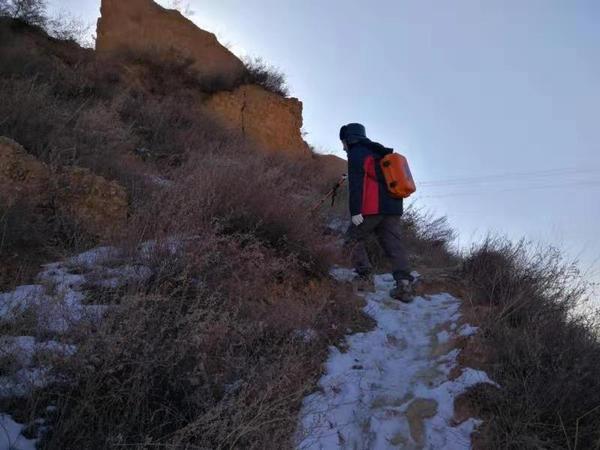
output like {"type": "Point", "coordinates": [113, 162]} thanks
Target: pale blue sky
{"type": "Point", "coordinates": [467, 88]}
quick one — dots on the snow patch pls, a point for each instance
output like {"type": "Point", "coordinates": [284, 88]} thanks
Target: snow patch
{"type": "Point", "coordinates": [57, 302]}
{"type": "Point", "coordinates": [338, 225]}
{"type": "Point", "coordinates": [96, 256]}
{"type": "Point", "coordinates": [342, 274]}
{"type": "Point", "coordinates": [307, 335]}
{"type": "Point", "coordinates": [468, 330]}
{"type": "Point", "coordinates": [11, 437]}
{"type": "Point", "coordinates": [160, 181]}
{"type": "Point", "coordinates": [24, 381]}
{"type": "Point", "coordinates": [19, 352]}
{"type": "Point", "coordinates": [18, 301]}
{"type": "Point", "coordinates": [171, 245]}
{"type": "Point", "coordinates": [54, 307]}
{"type": "Point", "coordinates": [21, 349]}
{"type": "Point", "coordinates": [390, 387]}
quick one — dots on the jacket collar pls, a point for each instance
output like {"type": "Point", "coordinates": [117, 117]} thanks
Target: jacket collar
{"type": "Point", "coordinates": [373, 146]}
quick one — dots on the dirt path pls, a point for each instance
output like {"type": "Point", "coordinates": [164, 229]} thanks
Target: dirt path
{"type": "Point", "coordinates": [390, 388]}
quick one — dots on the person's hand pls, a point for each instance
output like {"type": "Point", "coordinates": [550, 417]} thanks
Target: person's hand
{"type": "Point", "coordinates": [357, 220]}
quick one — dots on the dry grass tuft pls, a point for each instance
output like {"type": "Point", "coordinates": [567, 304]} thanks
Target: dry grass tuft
{"type": "Point", "coordinates": [196, 360]}
{"type": "Point", "coordinates": [546, 352]}
{"type": "Point", "coordinates": [267, 76]}
{"type": "Point", "coordinates": [29, 238]}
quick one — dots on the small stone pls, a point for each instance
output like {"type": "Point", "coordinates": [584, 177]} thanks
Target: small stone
{"type": "Point", "coordinates": [419, 410]}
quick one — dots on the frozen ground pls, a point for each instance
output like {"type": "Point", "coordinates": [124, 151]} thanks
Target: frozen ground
{"type": "Point", "coordinates": [50, 310]}
{"type": "Point", "coordinates": [389, 388]}
{"type": "Point", "coordinates": [11, 437]}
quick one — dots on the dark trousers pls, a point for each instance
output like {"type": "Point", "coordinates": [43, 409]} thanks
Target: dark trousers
{"type": "Point", "coordinates": [387, 228]}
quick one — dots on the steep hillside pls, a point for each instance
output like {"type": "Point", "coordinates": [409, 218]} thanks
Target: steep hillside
{"type": "Point", "coordinates": [167, 282]}
{"type": "Point", "coordinates": [142, 26]}
{"type": "Point", "coordinates": [132, 115]}
{"type": "Point", "coordinates": [210, 263]}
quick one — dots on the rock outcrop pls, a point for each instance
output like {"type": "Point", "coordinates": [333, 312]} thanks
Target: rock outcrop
{"type": "Point", "coordinates": [267, 119]}
{"type": "Point", "coordinates": [333, 167]}
{"type": "Point", "coordinates": [21, 175]}
{"type": "Point", "coordinates": [99, 205]}
{"type": "Point", "coordinates": [95, 203]}
{"type": "Point", "coordinates": [141, 26]}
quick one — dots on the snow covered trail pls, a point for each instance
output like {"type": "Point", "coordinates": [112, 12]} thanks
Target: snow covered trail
{"type": "Point", "coordinates": [390, 387]}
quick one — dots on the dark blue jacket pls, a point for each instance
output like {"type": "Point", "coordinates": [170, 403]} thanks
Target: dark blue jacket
{"type": "Point", "coordinates": [368, 190]}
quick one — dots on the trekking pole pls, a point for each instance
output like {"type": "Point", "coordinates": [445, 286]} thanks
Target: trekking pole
{"type": "Point", "coordinates": [332, 193]}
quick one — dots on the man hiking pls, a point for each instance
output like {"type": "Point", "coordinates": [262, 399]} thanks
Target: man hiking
{"type": "Point", "coordinates": [373, 210]}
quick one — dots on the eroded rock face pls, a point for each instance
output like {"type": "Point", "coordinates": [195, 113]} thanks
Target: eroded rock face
{"type": "Point", "coordinates": [21, 175]}
{"type": "Point", "coordinates": [267, 119]}
{"type": "Point", "coordinates": [95, 203]}
{"type": "Point", "coordinates": [140, 26]}
{"type": "Point", "coordinates": [419, 410]}
{"type": "Point", "coordinates": [333, 167]}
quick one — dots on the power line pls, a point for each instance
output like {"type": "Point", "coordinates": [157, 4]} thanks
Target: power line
{"type": "Point", "coordinates": [509, 177]}
{"type": "Point", "coordinates": [473, 192]}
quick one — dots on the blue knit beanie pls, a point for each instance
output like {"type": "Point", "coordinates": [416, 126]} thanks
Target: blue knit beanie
{"type": "Point", "coordinates": [352, 132]}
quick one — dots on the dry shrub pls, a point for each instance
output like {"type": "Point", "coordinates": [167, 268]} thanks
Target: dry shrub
{"type": "Point", "coordinates": [234, 189]}
{"type": "Point", "coordinates": [29, 236]}
{"type": "Point", "coordinates": [28, 52]}
{"type": "Point", "coordinates": [69, 108]}
{"type": "Point", "coordinates": [28, 114]}
{"type": "Point", "coordinates": [522, 280]}
{"type": "Point", "coordinates": [66, 27]}
{"type": "Point", "coordinates": [32, 12]}
{"type": "Point", "coordinates": [97, 139]}
{"type": "Point", "coordinates": [267, 76]}
{"type": "Point", "coordinates": [214, 350]}
{"type": "Point", "coordinates": [163, 74]}
{"type": "Point", "coordinates": [66, 132]}
{"type": "Point", "coordinates": [211, 353]}
{"type": "Point", "coordinates": [546, 353]}
{"type": "Point", "coordinates": [167, 129]}
{"type": "Point", "coordinates": [24, 225]}
{"type": "Point", "coordinates": [428, 239]}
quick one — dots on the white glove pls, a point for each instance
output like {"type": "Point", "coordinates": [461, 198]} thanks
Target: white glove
{"type": "Point", "coordinates": [357, 220]}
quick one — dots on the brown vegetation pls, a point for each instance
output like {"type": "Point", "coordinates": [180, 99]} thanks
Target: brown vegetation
{"type": "Point", "coordinates": [28, 240]}
{"type": "Point", "coordinates": [267, 76]}
{"type": "Point", "coordinates": [138, 26]}
{"type": "Point", "coordinates": [211, 351]}
{"type": "Point", "coordinates": [545, 352]}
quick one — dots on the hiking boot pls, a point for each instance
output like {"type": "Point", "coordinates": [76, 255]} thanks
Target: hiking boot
{"type": "Point", "coordinates": [364, 283]}
{"type": "Point", "coordinates": [403, 290]}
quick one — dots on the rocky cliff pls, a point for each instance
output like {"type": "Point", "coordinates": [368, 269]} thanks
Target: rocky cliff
{"type": "Point", "coordinates": [140, 26]}
{"type": "Point", "coordinates": [333, 166]}
{"type": "Point", "coordinates": [270, 121]}
{"type": "Point", "coordinates": [95, 203]}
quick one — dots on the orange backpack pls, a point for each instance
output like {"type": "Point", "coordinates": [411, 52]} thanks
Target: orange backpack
{"type": "Point", "coordinates": [397, 175]}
